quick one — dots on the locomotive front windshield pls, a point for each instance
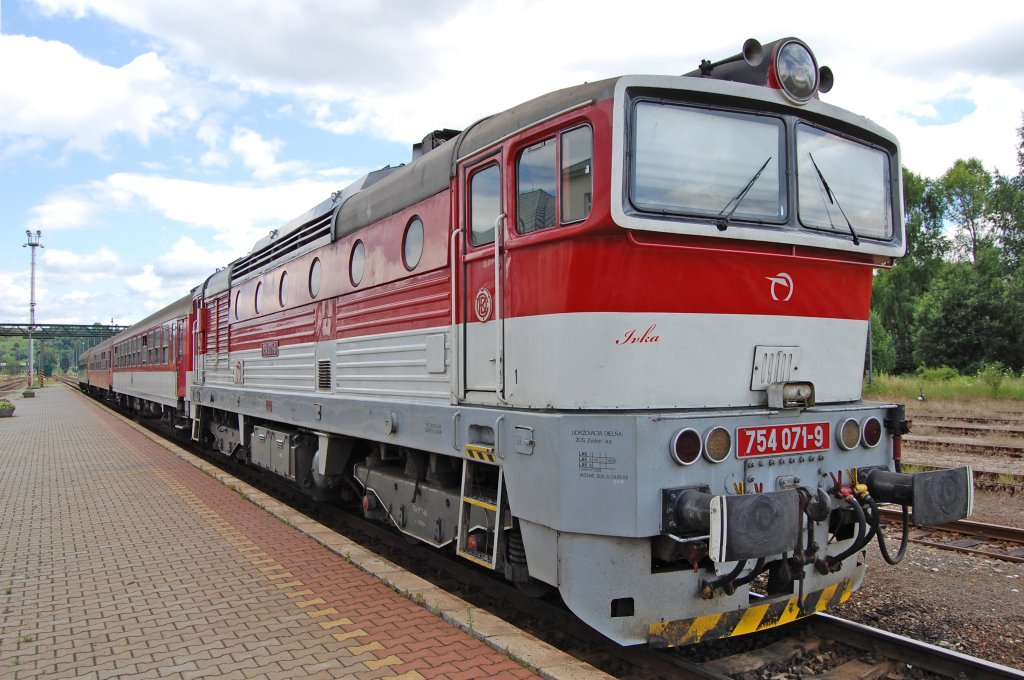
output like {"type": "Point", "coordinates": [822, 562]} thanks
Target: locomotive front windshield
{"type": "Point", "coordinates": [695, 161]}
{"type": "Point", "coordinates": [731, 167]}
{"type": "Point", "coordinates": [840, 176]}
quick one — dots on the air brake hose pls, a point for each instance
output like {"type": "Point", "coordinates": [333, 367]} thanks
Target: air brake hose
{"type": "Point", "coordinates": [826, 563]}
{"type": "Point", "coordinates": [707, 588]}
{"type": "Point", "coordinates": [904, 539]}
{"type": "Point", "coordinates": [754, 573]}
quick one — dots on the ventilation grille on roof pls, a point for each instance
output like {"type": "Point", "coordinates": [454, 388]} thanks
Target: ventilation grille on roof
{"type": "Point", "coordinates": [309, 232]}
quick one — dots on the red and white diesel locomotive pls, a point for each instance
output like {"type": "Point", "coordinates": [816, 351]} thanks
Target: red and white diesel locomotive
{"type": "Point", "coordinates": [609, 341]}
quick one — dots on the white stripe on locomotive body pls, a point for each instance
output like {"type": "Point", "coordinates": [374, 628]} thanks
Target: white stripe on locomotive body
{"type": "Point", "coordinates": [292, 370]}
{"type": "Point", "coordinates": [158, 386]}
{"type": "Point", "coordinates": [403, 365]}
{"type": "Point", "coordinates": [571, 361]}
{"type": "Point", "coordinates": [407, 365]}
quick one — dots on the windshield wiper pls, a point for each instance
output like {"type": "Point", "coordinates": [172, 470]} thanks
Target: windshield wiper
{"type": "Point", "coordinates": [723, 223]}
{"type": "Point", "coordinates": [832, 198]}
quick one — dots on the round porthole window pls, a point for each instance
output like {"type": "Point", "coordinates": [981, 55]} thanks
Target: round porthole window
{"type": "Point", "coordinates": [256, 297]}
{"type": "Point", "coordinates": [314, 277]}
{"type": "Point", "coordinates": [282, 291]}
{"type": "Point", "coordinates": [412, 244]}
{"type": "Point", "coordinates": [357, 263]}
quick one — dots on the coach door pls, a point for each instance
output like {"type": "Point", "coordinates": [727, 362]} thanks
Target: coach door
{"type": "Point", "coordinates": [482, 334]}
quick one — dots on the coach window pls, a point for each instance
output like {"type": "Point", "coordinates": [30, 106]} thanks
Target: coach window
{"type": "Point", "coordinates": [357, 263]}
{"type": "Point", "coordinates": [282, 291]}
{"type": "Point", "coordinates": [484, 204]}
{"type": "Point", "coordinates": [535, 187]}
{"type": "Point", "coordinates": [577, 178]}
{"type": "Point", "coordinates": [314, 278]}
{"type": "Point", "coordinates": [412, 244]}
{"type": "Point", "coordinates": [256, 297]}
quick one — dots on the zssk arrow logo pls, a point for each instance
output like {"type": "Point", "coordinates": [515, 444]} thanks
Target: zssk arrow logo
{"type": "Point", "coordinates": [785, 282]}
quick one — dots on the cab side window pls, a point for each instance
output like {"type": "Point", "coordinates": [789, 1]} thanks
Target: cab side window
{"type": "Point", "coordinates": [554, 178]}
{"type": "Point", "coordinates": [577, 178]}
{"type": "Point", "coordinates": [535, 187]}
{"type": "Point", "coordinates": [484, 204]}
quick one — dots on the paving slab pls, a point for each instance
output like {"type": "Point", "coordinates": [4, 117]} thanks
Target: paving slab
{"type": "Point", "coordinates": [122, 555]}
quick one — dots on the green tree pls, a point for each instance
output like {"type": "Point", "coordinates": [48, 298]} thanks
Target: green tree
{"type": "Point", "coordinates": [965, 189]}
{"type": "Point", "coordinates": [895, 291]}
{"type": "Point", "coordinates": [969, 315]}
{"type": "Point", "coordinates": [882, 349]}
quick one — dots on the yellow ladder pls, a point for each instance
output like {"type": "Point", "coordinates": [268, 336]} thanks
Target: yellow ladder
{"type": "Point", "coordinates": [479, 493]}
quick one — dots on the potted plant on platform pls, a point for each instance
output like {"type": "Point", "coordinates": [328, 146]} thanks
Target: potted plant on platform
{"type": "Point", "coordinates": [6, 409]}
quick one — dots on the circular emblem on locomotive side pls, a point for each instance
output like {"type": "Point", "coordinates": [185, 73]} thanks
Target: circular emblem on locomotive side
{"type": "Point", "coordinates": [784, 282]}
{"type": "Point", "coordinates": [482, 304]}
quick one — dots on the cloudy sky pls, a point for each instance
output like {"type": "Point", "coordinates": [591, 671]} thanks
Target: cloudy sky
{"type": "Point", "coordinates": [154, 140]}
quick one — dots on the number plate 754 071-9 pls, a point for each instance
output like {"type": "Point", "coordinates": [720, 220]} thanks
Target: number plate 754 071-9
{"type": "Point", "coordinates": [773, 440]}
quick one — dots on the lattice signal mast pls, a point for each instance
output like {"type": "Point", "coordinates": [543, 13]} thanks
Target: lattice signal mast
{"type": "Point", "coordinates": [33, 243]}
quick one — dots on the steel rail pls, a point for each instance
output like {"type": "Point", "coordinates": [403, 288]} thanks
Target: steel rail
{"type": "Point", "coordinates": [944, 662]}
{"type": "Point", "coordinates": [980, 530]}
{"type": "Point", "coordinates": [918, 442]}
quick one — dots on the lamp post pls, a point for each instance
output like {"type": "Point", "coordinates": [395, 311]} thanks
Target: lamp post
{"type": "Point", "coordinates": [33, 243]}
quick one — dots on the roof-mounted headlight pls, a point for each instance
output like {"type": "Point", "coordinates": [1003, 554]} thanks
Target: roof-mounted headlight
{"type": "Point", "coordinates": [796, 70]}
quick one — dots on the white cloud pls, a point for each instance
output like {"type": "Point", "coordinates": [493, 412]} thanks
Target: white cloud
{"type": "Point", "coordinates": [260, 155]}
{"type": "Point", "coordinates": [188, 262]}
{"type": "Point", "coordinates": [57, 94]}
{"type": "Point", "coordinates": [144, 283]}
{"type": "Point", "coordinates": [65, 211]}
{"type": "Point", "coordinates": [238, 215]}
{"type": "Point", "coordinates": [400, 69]}
{"type": "Point", "coordinates": [65, 266]}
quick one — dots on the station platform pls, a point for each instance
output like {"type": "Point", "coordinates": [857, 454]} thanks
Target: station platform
{"type": "Point", "coordinates": [122, 555]}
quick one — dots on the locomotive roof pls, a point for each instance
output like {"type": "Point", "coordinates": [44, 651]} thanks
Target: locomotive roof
{"type": "Point", "coordinates": [391, 189]}
{"type": "Point", "coordinates": [432, 172]}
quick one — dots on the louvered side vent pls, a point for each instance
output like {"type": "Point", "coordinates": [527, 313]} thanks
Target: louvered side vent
{"type": "Point", "coordinates": [774, 365]}
{"type": "Point", "coordinates": [323, 375]}
{"type": "Point", "coordinates": [294, 241]}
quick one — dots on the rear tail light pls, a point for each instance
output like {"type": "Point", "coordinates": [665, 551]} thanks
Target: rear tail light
{"type": "Point", "coordinates": [717, 444]}
{"type": "Point", "coordinates": [686, 446]}
{"type": "Point", "coordinates": [848, 434]}
{"type": "Point", "coordinates": [871, 432]}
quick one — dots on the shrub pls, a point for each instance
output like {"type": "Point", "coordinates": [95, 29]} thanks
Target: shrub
{"type": "Point", "coordinates": [992, 373]}
{"type": "Point", "coordinates": [940, 374]}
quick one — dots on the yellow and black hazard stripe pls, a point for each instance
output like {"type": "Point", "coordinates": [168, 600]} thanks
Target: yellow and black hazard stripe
{"type": "Point", "coordinates": [484, 454]}
{"type": "Point", "coordinates": [749, 620]}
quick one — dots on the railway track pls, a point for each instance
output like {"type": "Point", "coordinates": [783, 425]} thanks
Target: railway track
{"type": "Point", "coordinates": [844, 648]}
{"type": "Point", "coordinates": [973, 446]}
{"type": "Point", "coordinates": [10, 384]}
{"type": "Point", "coordinates": [978, 430]}
{"type": "Point", "coordinates": [862, 652]}
{"type": "Point", "coordinates": [976, 538]}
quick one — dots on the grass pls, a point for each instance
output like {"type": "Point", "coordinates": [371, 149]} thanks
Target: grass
{"type": "Point", "coordinates": [903, 388]}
